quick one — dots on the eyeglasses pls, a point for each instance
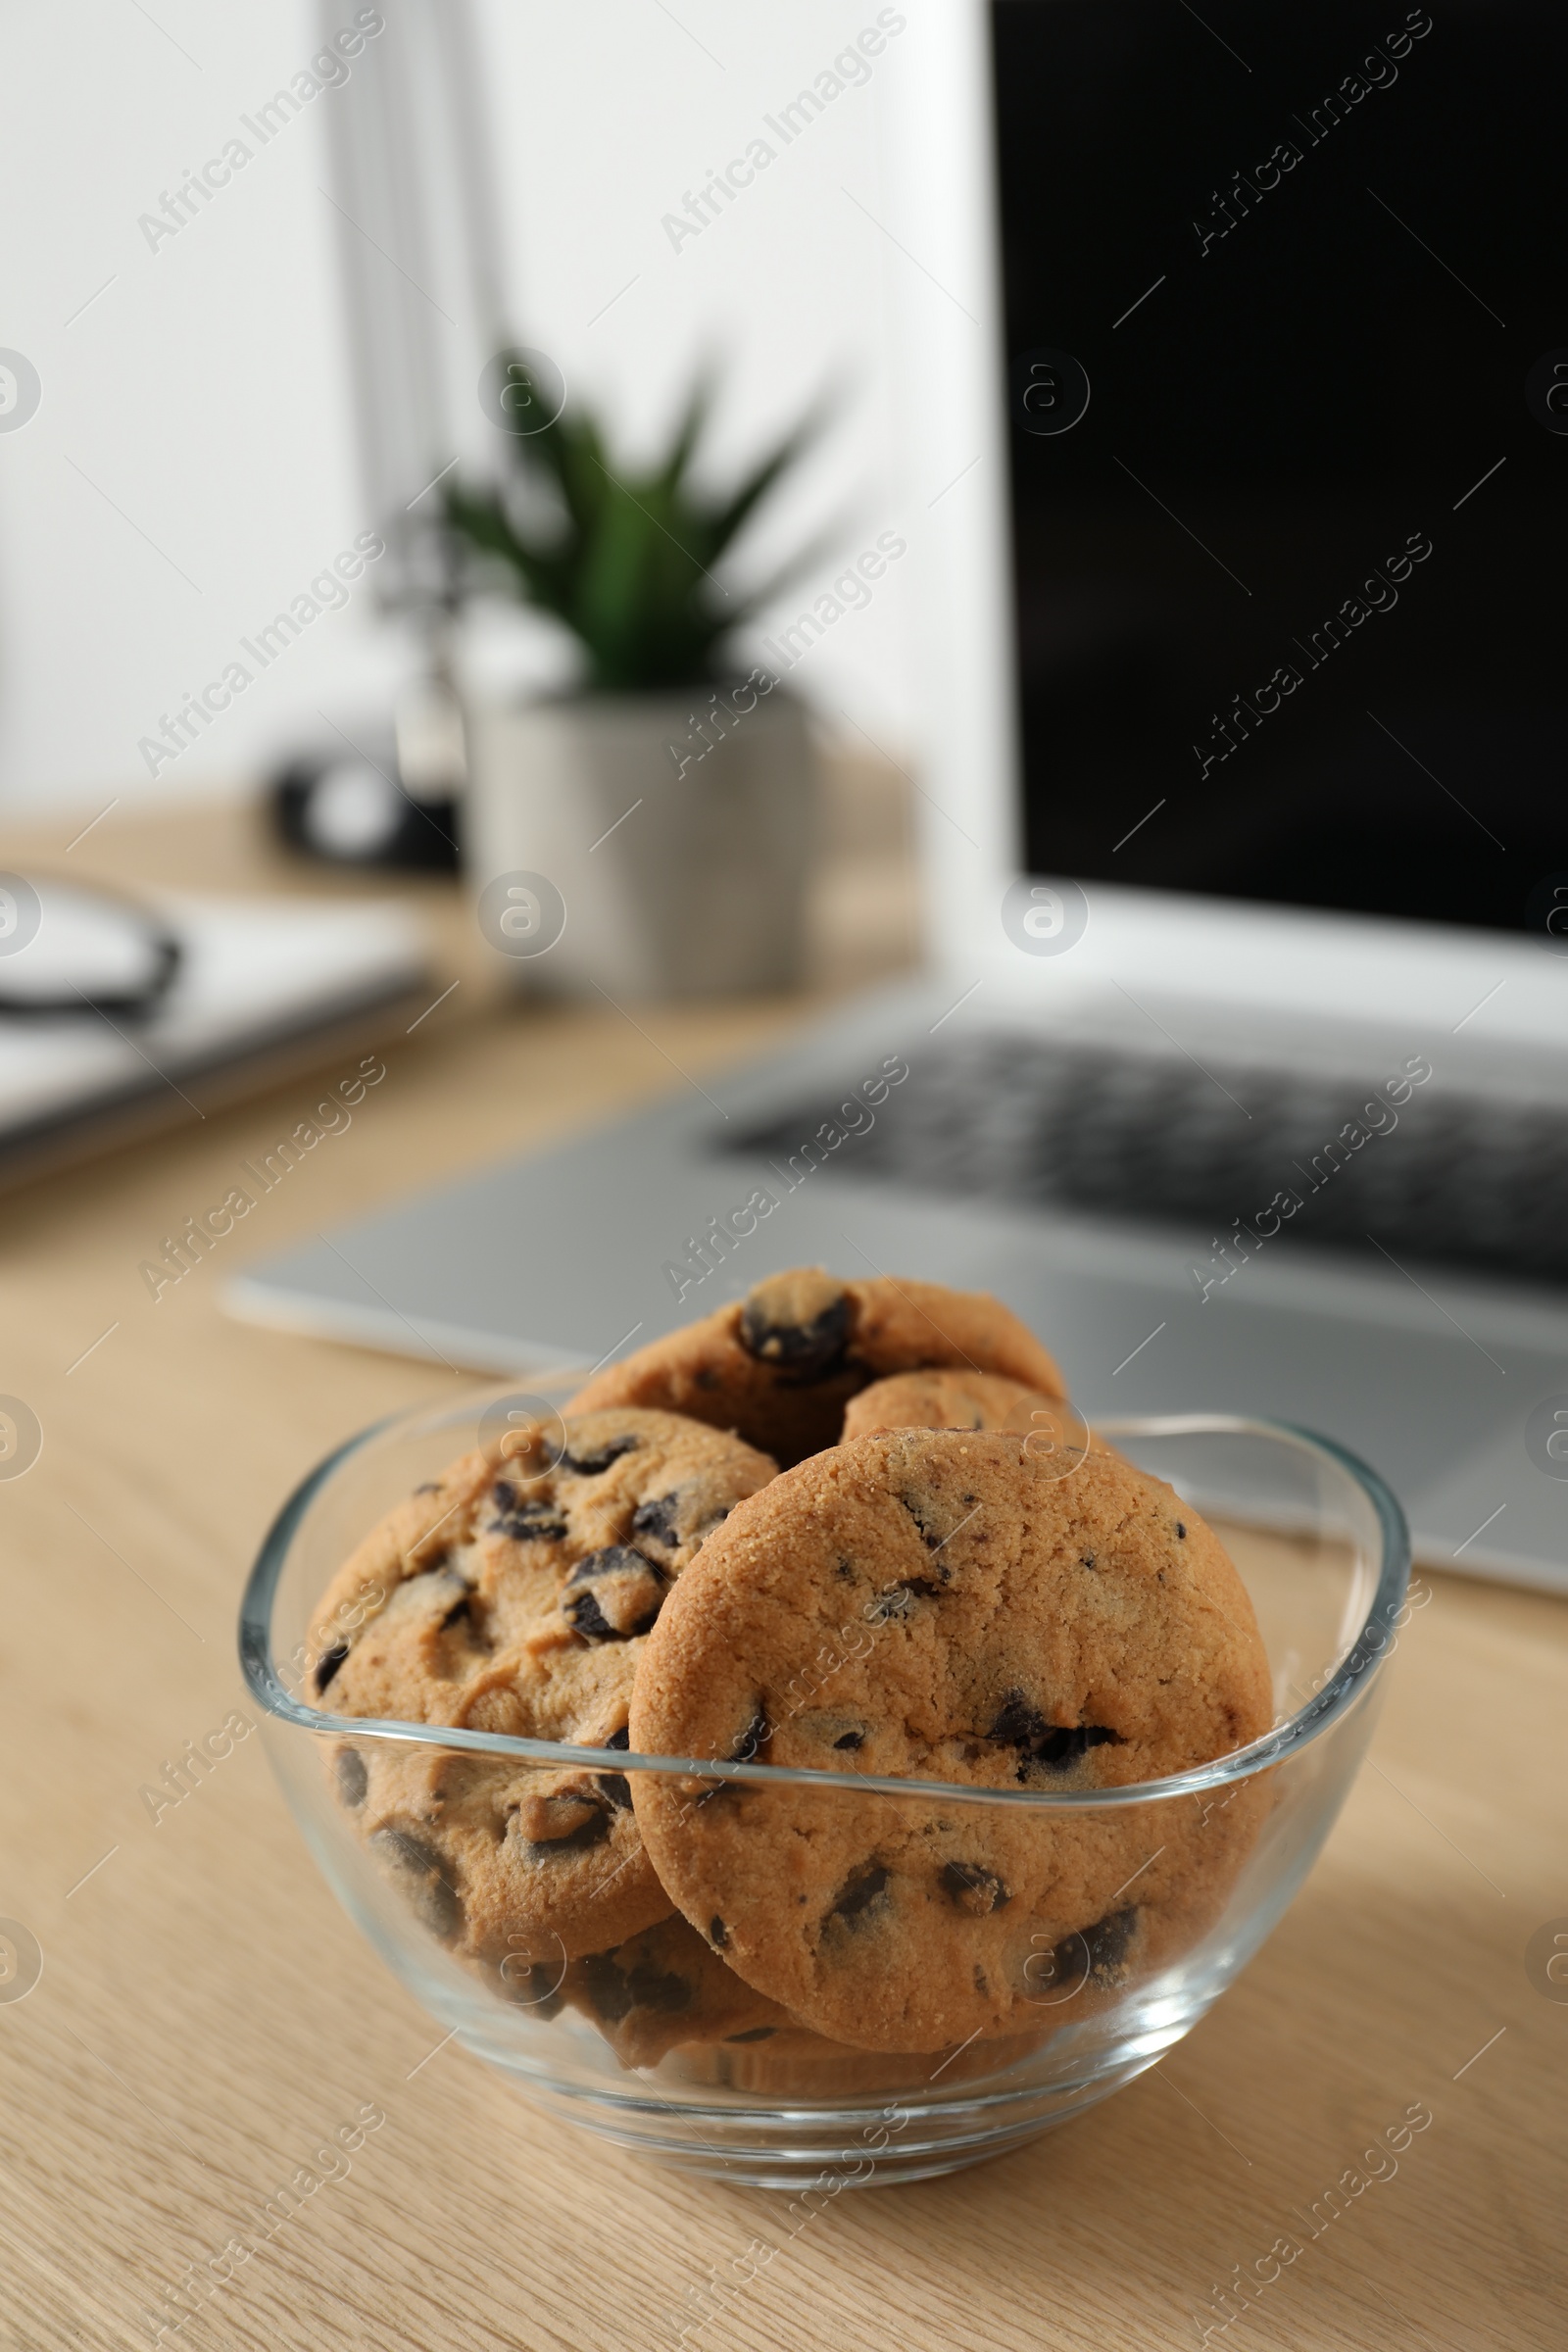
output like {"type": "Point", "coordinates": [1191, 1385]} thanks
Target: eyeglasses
{"type": "Point", "coordinates": [69, 947]}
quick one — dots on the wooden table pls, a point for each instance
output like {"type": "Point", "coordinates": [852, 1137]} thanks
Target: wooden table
{"type": "Point", "coordinates": [206, 2015]}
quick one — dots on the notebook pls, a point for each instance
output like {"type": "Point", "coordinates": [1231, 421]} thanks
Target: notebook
{"type": "Point", "coordinates": [263, 987]}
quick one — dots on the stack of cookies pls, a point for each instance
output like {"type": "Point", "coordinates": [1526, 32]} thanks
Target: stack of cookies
{"type": "Point", "coordinates": [850, 1529]}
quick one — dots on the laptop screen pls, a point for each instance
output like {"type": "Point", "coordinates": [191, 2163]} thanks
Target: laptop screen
{"type": "Point", "coordinates": [1286, 301]}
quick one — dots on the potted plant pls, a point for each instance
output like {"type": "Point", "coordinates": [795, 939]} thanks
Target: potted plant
{"type": "Point", "coordinates": [668, 799]}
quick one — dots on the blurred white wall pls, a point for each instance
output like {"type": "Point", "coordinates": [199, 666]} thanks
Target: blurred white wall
{"type": "Point", "coordinates": [190, 465]}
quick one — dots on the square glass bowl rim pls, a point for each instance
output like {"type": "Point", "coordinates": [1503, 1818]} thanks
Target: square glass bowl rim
{"type": "Point", "coordinates": [1342, 1690]}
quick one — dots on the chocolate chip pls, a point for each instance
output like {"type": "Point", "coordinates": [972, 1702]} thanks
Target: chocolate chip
{"type": "Point", "coordinates": [657, 1521]}
{"type": "Point", "coordinates": [1018, 1722]}
{"type": "Point", "coordinates": [615, 1991]}
{"type": "Point", "coordinates": [975, 1891]}
{"type": "Point", "coordinates": [894, 1603]}
{"type": "Point", "coordinates": [1109, 1938]}
{"type": "Point", "coordinates": [628, 1593]}
{"type": "Point", "coordinates": [327, 1664]}
{"type": "Point", "coordinates": [718, 1934]}
{"type": "Point", "coordinates": [657, 1988]}
{"type": "Point", "coordinates": [594, 1461]}
{"type": "Point", "coordinates": [613, 1559]}
{"type": "Point", "coordinates": [591, 1827]}
{"type": "Point", "coordinates": [803, 1352]}
{"type": "Point", "coordinates": [588, 1618]}
{"type": "Point", "coordinates": [431, 1486]}
{"type": "Point", "coordinates": [1181, 1531]}
{"type": "Point", "coordinates": [458, 1609]}
{"type": "Point", "coordinates": [916, 1511]}
{"type": "Point", "coordinates": [607, 1988]}
{"type": "Point", "coordinates": [352, 1778]}
{"type": "Point", "coordinates": [1104, 1947]}
{"type": "Point", "coordinates": [850, 1739]}
{"type": "Point", "coordinates": [1021, 1725]}
{"type": "Point", "coordinates": [614, 1784]}
{"type": "Point", "coordinates": [1066, 1743]}
{"type": "Point", "coordinates": [418, 1872]}
{"type": "Point", "coordinates": [595, 1830]}
{"type": "Point", "coordinates": [569, 1812]}
{"type": "Point", "coordinates": [528, 1519]}
{"type": "Point", "coordinates": [859, 1895]}
{"type": "Point", "coordinates": [750, 1740]}
{"type": "Point", "coordinates": [1086, 1560]}
{"type": "Point", "coordinates": [407, 1851]}
{"type": "Point", "coordinates": [756, 2033]}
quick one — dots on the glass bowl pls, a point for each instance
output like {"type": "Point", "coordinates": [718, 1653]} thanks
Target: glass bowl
{"type": "Point", "coordinates": [659, 2045]}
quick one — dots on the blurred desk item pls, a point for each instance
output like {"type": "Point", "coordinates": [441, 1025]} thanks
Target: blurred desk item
{"type": "Point", "coordinates": [287, 965]}
{"type": "Point", "coordinates": [240, 991]}
{"type": "Point", "coordinates": [354, 807]}
{"type": "Point", "coordinates": [207, 2019]}
{"type": "Point", "coordinates": [865, 917]}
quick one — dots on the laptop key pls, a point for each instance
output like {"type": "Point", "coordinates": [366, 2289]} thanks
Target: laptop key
{"type": "Point", "coordinates": [1450, 1178]}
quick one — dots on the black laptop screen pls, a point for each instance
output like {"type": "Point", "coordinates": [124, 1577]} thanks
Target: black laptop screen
{"type": "Point", "coordinates": [1286, 294]}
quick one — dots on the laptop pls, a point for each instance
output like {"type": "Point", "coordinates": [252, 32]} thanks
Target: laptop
{"type": "Point", "coordinates": [1238, 428]}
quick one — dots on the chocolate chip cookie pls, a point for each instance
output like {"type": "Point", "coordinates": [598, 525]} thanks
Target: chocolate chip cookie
{"type": "Point", "coordinates": [515, 1595]}
{"type": "Point", "coordinates": [666, 1987]}
{"type": "Point", "coordinates": [946, 1397]}
{"type": "Point", "coordinates": [925, 1604]}
{"type": "Point", "coordinates": [667, 1993]}
{"type": "Point", "coordinates": [792, 2062]}
{"type": "Point", "coordinates": [780, 1366]}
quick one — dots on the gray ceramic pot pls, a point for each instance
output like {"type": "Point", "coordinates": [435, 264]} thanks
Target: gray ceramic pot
{"type": "Point", "coordinates": [676, 828]}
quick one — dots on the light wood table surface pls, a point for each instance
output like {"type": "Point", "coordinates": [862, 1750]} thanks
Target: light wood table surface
{"type": "Point", "coordinates": [206, 2015]}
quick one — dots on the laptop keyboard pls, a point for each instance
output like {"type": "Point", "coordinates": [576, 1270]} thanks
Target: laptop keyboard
{"type": "Point", "coordinates": [1008, 1118]}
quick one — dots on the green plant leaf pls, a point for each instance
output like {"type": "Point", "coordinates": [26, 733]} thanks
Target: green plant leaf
{"type": "Point", "coordinates": [630, 566]}
{"type": "Point", "coordinates": [688, 431]}
{"type": "Point", "coordinates": [729, 518]}
{"type": "Point", "coordinates": [757, 600]}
